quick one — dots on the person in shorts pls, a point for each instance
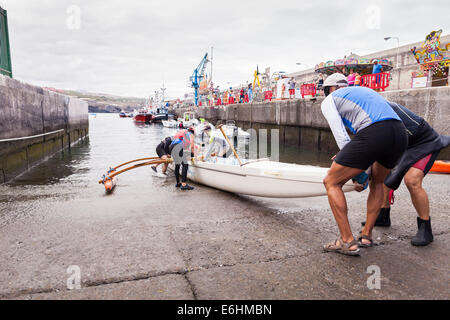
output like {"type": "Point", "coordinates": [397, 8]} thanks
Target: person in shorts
{"type": "Point", "coordinates": [424, 145]}
{"type": "Point", "coordinates": [162, 150]}
{"type": "Point", "coordinates": [379, 141]}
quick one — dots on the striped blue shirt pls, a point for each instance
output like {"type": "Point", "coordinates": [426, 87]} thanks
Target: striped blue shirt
{"type": "Point", "coordinates": [355, 108]}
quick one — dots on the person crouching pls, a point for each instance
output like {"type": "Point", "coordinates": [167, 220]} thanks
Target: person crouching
{"type": "Point", "coordinates": [162, 150]}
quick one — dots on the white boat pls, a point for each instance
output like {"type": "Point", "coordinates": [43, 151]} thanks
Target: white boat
{"type": "Point", "coordinates": [170, 123]}
{"type": "Point", "coordinates": [262, 178]}
{"type": "Point", "coordinates": [232, 131]}
{"type": "Point", "coordinates": [188, 120]}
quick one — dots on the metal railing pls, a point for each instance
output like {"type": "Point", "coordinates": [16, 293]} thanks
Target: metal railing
{"type": "Point", "coordinates": [31, 137]}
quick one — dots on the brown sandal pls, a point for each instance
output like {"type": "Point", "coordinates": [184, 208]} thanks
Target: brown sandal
{"type": "Point", "coordinates": [365, 245]}
{"type": "Point", "coordinates": [342, 247]}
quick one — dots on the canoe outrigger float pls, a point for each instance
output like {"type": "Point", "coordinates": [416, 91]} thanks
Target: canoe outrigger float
{"type": "Point", "coordinates": [109, 179]}
{"type": "Point", "coordinates": [262, 177]}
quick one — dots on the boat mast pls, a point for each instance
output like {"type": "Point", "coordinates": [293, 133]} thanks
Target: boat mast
{"type": "Point", "coordinates": [163, 90]}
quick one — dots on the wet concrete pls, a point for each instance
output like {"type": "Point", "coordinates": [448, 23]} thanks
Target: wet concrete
{"type": "Point", "coordinates": [149, 240]}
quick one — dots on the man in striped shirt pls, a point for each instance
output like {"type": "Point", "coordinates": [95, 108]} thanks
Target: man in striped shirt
{"type": "Point", "coordinates": [379, 141]}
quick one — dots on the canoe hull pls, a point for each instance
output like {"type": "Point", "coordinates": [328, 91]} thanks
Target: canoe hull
{"type": "Point", "coordinates": [440, 167]}
{"type": "Point", "coordinates": [263, 179]}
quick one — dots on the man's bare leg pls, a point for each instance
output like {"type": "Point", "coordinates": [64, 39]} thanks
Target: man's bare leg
{"type": "Point", "coordinates": [386, 203]}
{"type": "Point", "coordinates": [336, 177]}
{"type": "Point", "coordinates": [375, 198]}
{"type": "Point", "coordinates": [164, 169]}
{"type": "Point", "coordinates": [419, 198]}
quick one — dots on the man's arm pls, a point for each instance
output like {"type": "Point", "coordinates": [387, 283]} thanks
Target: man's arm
{"type": "Point", "coordinates": [335, 122]}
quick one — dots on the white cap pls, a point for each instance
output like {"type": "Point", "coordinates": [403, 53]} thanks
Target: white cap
{"type": "Point", "coordinates": [336, 80]}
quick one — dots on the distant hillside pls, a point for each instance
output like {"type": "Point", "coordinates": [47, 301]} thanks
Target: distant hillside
{"type": "Point", "coordinates": [105, 103]}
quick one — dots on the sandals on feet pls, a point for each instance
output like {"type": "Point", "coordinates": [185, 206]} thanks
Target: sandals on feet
{"type": "Point", "coordinates": [365, 245]}
{"type": "Point", "coordinates": [339, 246]}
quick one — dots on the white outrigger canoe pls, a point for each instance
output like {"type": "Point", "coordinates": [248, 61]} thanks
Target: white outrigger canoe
{"type": "Point", "coordinates": [262, 178]}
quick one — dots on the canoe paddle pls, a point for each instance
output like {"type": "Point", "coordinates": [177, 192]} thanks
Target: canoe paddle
{"type": "Point", "coordinates": [220, 127]}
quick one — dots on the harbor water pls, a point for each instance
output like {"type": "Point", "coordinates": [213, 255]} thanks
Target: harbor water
{"type": "Point", "coordinates": [113, 140]}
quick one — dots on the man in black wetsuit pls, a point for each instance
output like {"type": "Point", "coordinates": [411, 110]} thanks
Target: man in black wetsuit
{"type": "Point", "coordinates": [424, 145]}
{"type": "Point", "coordinates": [163, 152]}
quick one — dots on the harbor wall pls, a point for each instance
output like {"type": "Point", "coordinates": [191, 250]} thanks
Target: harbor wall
{"type": "Point", "coordinates": [301, 122]}
{"type": "Point", "coordinates": [30, 113]}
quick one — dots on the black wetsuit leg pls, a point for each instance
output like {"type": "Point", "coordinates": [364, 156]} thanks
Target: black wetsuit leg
{"type": "Point", "coordinates": [184, 171]}
{"type": "Point", "coordinates": [177, 172]}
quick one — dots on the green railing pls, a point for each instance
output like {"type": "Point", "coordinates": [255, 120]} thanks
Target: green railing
{"type": "Point", "coordinates": [5, 55]}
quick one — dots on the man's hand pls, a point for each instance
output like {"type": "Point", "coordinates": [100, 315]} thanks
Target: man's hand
{"type": "Point", "coordinates": [358, 187]}
{"type": "Point", "coordinates": [361, 181]}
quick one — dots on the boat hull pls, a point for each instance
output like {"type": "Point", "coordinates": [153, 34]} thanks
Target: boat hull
{"type": "Point", "coordinates": [143, 118]}
{"type": "Point", "coordinates": [160, 117]}
{"type": "Point", "coordinates": [263, 179]}
{"type": "Point", "coordinates": [170, 123]}
{"type": "Point", "coordinates": [441, 167]}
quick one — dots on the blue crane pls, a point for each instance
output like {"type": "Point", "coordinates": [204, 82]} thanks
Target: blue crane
{"type": "Point", "coordinates": [198, 75]}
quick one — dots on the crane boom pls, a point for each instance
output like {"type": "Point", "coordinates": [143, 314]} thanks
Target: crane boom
{"type": "Point", "coordinates": [198, 75]}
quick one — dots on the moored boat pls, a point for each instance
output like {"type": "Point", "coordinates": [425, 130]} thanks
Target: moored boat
{"type": "Point", "coordinates": [171, 123]}
{"type": "Point", "coordinates": [162, 114]}
{"type": "Point", "coordinates": [188, 120]}
{"type": "Point", "coordinates": [122, 114]}
{"type": "Point", "coordinates": [233, 131]}
{"type": "Point", "coordinates": [143, 117]}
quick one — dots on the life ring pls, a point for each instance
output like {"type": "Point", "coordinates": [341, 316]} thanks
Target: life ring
{"type": "Point", "coordinates": [441, 166]}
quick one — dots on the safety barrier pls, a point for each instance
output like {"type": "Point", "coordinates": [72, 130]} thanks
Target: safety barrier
{"type": "Point", "coordinates": [376, 81]}
{"type": "Point", "coordinates": [308, 89]}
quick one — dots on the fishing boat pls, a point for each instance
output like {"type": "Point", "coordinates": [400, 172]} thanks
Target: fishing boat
{"type": "Point", "coordinates": [162, 114]}
{"type": "Point", "coordinates": [143, 116]}
{"type": "Point", "coordinates": [261, 178]}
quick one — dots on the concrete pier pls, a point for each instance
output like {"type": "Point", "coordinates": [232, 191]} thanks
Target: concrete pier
{"type": "Point", "coordinates": [34, 124]}
{"type": "Point", "coordinates": [301, 122]}
{"type": "Point", "coordinates": [152, 241]}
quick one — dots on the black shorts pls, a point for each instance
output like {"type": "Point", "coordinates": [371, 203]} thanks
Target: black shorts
{"type": "Point", "coordinates": [383, 142]}
{"type": "Point", "coordinates": [160, 150]}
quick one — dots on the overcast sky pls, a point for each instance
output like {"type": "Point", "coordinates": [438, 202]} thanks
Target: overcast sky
{"type": "Point", "coordinates": [130, 47]}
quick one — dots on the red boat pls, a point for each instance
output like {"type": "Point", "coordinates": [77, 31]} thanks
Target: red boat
{"type": "Point", "coordinates": [122, 114]}
{"type": "Point", "coordinates": [143, 117]}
